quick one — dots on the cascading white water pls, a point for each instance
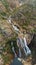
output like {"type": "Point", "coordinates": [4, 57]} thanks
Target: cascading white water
{"type": "Point", "coordinates": [15, 28]}
{"type": "Point", "coordinates": [19, 52]}
{"type": "Point", "coordinates": [26, 49]}
{"type": "Point", "coordinates": [13, 49]}
{"type": "Point", "coordinates": [9, 20]}
{"type": "Point", "coordinates": [22, 42]}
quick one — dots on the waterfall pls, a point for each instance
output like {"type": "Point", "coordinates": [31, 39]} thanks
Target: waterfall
{"type": "Point", "coordinates": [15, 28]}
{"type": "Point", "coordinates": [23, 44]}
{"type": "Point", "coordinates": [19, 52]}
{"type": "Point", "coordinates": [26, 49]}
{"type": "Point", "coordinates": [9, 19]}
{"type": "Point", "coordinates": [20, 45]}
{"type": "Point", "coordinates": [20, 42]}
{"type": "Point", "coordinates": [13, 49]}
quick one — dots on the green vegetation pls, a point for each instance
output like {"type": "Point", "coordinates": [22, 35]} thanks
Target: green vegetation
{"type": "Point", "coordinates": [23, 16]}
{"type": "Point", "coordinates": [4, 2]}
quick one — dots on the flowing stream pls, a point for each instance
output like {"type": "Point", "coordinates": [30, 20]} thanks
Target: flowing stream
{"type": "Point", "coordinates": [20, 42]}
{"type": "Point", "coordinates": [23, 44]}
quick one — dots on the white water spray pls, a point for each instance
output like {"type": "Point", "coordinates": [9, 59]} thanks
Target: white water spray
{"type": "Point", "coordinates": [23, 44]}
{"type": "Point", "coordinates": [26, 49]}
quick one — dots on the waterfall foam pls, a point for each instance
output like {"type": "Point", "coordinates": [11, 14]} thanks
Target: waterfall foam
{"type": "Point", "coordinates": [23, 44]}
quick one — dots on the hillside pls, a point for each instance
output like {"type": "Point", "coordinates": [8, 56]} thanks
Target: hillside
{"type": "Point", "coordinates": [23, 14]}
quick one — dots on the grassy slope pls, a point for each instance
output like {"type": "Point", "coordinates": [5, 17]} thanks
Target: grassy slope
{"type": "Point", "coordinates": [20, 12]}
